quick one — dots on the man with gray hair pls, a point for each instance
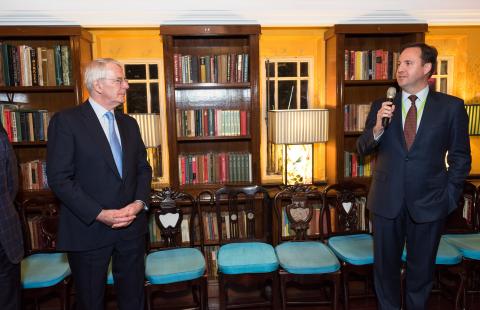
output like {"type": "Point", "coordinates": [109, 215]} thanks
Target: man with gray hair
{"type": "Point", "coordinates": [97, 167]}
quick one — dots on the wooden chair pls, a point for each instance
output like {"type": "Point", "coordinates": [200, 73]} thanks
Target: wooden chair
{"type": "Point", "coordinates": [462, 232]}
{"type": "Point", "coordinates": [246, 260]}
{"type": "Point", "coordinates": [175, 266]}
{"type": "Point", "coordinates": [305, 261]}
{"type": "Point", "coordinates": [44, 271]}
{"type": "Point", "coordinates": [348, 234]}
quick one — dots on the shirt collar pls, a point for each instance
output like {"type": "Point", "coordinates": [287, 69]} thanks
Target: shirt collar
{"type": "Point", "coordinates": [421, 95]}
{"type": "Point", "coordinates": [98, 109]}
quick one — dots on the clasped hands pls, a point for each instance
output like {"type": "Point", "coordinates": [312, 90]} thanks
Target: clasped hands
{"type": "Point", "coordinates": [119, 218]}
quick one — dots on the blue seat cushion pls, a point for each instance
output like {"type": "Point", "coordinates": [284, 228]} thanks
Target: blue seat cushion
{"type": "Point", "coordinates": [467, 244]}
{"type": "Point", "coordinates": [306, 257]}
{"type": "Point", "coordinates": [176, 265]}
{"type": "Point", "coordinates": [247, 257]}
{"type": "Point", "coordinates": [446, 254]}
{"type": "Point", "coordinates": [353, 249]}
{"type": "Point", "coordinates": [110, 274]}
{"type": "Point", "coordinates": [44, 270]}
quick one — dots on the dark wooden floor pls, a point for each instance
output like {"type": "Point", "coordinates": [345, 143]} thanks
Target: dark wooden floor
{"type": "Point", "coordinates": [436, 302]}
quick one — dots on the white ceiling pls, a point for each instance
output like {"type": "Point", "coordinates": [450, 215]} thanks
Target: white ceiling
{"type": "Point", "coordinates": [140, 13]}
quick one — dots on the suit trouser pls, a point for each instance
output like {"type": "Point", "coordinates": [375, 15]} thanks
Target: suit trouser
{"type": "Point", "coordinates": [421, 240]}
{"type": "Point", "coordinates": [10, 289]}
{"type": "Point", "coordinates": [89, 271]}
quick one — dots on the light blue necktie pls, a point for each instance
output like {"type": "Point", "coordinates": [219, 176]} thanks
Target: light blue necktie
{"type": "Point", "coordinates": [114, 143]}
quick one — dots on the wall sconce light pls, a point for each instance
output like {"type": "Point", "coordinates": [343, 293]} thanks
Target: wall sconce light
{"type": "Point", "coordinates": [298, 129]}
{"type": "Point", "coordinates": [151, 135]}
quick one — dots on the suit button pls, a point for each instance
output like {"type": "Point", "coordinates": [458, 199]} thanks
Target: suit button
{"type": "Point", "coordinates": [406, 158]}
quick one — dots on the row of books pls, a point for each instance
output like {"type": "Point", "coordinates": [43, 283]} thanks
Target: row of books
{"type": "Point", "coordinates": [370, 65]}
{"type": "Point", "coordinates": [24, 125]}
{"type": "Point", "coordinates": [34, 175]}
{"type": "Point", "coordinates": [211, 258]}
{"type": "Point", "coordinates": [155, 235]}
{"type": "Point", "coordinates": [215, 168]}
{"type": "Point", "coordinates": [23, 65]}
{"type": "Point", "coordinates": [211, 122]}
{"type": "Point", "coordinates": [37, 238]}
{"type": "Point", "coordinates": [357, 166]}
{"type": "Point", "coordinates": [237, 229]}
{"type": "Point", "coordinates": [225, 68]}
{"type": "Point", "coordinates": [359, 207]}
{"type": "Point", "coordinates": [473, 111]}
{"type": "Point", "coordinates": [313, 227]}
{"type": "Point", "coordinates": [355, 116]}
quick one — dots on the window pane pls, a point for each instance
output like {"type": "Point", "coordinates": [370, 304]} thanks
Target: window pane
{"type": "Point", "coordinates": [303, 94]}
{"type": "Point", "coordinates": [444, 67]}
{"type": "Point", "coordinates": [304, 69]}
{"type": "Point", "coordinates": [155, 104]}
{"type": "Point", "coordinates": [287, 69]}
{"type": "Point", "coordinates": [153, 71]}
{"type": "Point", "coordinates": [286, 95]}
{"type": "Point", "coordinates": [270, 66]}
{"type": "Point", "coordinates": [443, 85]}
{"type": "Point", "coordinates": [135, 72]}
{"type": "Point", "coordinates": [137, 98]}
{"type": "Point", "coordinates": [271, 95]}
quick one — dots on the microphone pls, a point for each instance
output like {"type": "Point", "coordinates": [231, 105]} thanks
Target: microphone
{"type": "Point", "coordinates": [391, 92]}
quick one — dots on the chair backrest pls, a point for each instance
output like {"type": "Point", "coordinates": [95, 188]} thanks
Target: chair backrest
{"type": "Point", "coordinates": [464, 219]}
{"type": "Point", "coordinates": [39, 217]}
{"type": "Point", "coordinates": [297, 212]}
{"type": "Point", "coordinates": [243, 214]}
{"type": "Point", "coordinates": [345, 209]}
{"type": "Point", "coordinates": [173, 216]}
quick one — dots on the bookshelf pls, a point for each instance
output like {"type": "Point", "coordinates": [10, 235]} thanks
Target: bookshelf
{"type": "Point", "coordinates": [41, 75]}
{"type": "Point", "coordinates": [356, 74]}
{"type": "Point", "coordinates": [211, 80]}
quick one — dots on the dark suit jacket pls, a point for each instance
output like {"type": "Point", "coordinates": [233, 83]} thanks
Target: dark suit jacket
{"type": "Point", "coordinates": [10, 229]}
{"type": "Point", "coordinates": [418, 177]}
{"type": "Point", "coordinates": [81, 172]}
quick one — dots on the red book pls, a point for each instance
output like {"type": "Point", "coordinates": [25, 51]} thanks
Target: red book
{"type": "Point", "coordinates": [243, 123]}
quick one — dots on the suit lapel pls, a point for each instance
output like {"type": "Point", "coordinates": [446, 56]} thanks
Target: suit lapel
{"type": "Point", "coordinates": [396, 124]}
{"type": "Point", "coordinates": [122, 128]}
{"type": "Point", "coordinates": [99, 139]}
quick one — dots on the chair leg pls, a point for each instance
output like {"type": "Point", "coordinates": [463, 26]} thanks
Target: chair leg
{"type": "Point", "coordinates": [459, 304]}
{"type": "Point", "coordinates": [345, 290]}
{"type": "Point", "coordinates": [222, 292]}
{"type": "Point", "coordinates": [204, 293]}
{"type": "Point", "coordinates": [275, 296]}
{"type": "Point", "coordinates": [283, 292]}
{"type": "Point", "coordinates": [148, 297]}
{"type": "Point", "coordinates": [336, 290]}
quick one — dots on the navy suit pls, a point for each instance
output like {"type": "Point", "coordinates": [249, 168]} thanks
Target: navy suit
{"type": "Point", "coordinates": [11, 241]}
{"type": "Point", "coordinates": [412, 191]}
{"type": "Point", "coordinates": [82, 173]}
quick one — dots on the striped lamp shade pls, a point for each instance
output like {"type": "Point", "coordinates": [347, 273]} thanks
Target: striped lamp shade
{"type": "Point", "coordinates": [300, 126]}
{"type": "Point", "coordinates": [149, 128]}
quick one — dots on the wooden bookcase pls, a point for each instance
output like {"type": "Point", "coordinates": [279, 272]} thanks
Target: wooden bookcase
{"type": "Point", "coordinates": [51, 97]}
{"type": "Point", "coordinates": [342, 91]}
{"type": "Point", "coordinates": [211, 80]}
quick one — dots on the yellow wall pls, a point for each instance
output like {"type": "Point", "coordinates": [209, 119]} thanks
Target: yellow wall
{"type": "Point", "coordinates": [463, 43]}
{"type": "Point", "coordinates": [139, 44]}
{"type": "Point", "coordinates": [301, 42]}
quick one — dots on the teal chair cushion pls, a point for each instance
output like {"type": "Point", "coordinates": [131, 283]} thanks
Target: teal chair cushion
{"type": "Point", "coordinates": [306, 257]}
{"type": "Point", "coordinates": [446, 254]}
{"type": "Point", "coordinates": [247, 257]}
{"type": "Point", "coordinates": [176, 265]}
{"type": "Point", "coordinates": [353, 249]}
{"type": "Point", "coordinates": [44, 270]}
{"type": "Point", "coordinates": [110, 274]}
{"type": "Point", "coordinates": [467, 244]}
